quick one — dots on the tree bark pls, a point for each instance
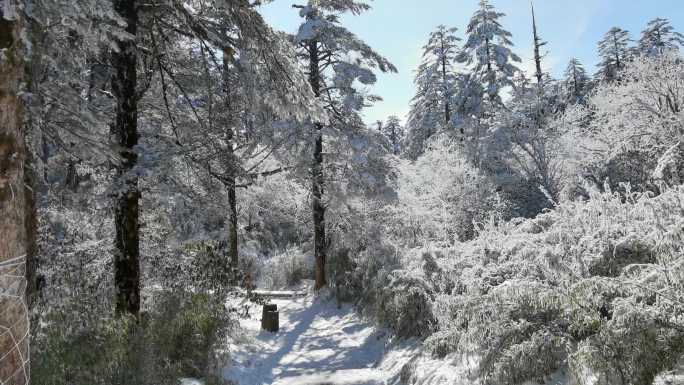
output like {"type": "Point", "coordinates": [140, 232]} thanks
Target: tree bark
{"type": "Point", "coordinates": [14, 323]}
{"type": "Point", "coordinates": [447, 105]}
{"type": "Point", "coordinates": [125, 129]}
{"type": "Point", "coordinates": [575, 83]}
{"type": "Point", "coordinates": [232, 224]}
{"type": "Point", "coordinates": [537, 50]}
{"type": "Point", "coordinates": [318, 210]}
{"type": "Point", "coordinates": [230, 184]}
{"type": "Point", "coordinates": [317, 180]}
{"type": "Point", "coordinates": [31, 226]}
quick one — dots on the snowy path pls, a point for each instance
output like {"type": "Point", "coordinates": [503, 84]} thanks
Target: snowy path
{"type": "Point", "coordinates": [317, 344]}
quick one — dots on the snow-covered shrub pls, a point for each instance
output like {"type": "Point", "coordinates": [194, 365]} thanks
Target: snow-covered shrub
{"type": "Point", "coordinates": [188, 331]}
{"type": "Point", "coordinates": [402, 295]}
{"type": "Point", "coordinates": [670, 168]}
{"type": "Point", "coordinates": [179, 337]}
{"type": "Point", "coordinates": [275, 213]}
{"type": "Point", "coordinates": [360, 257]}
{"type": "Point", "coordinates": [592, 286]}
{"type": "Point", "coordinates": [631, 348]}
{"type": "Point", "coordinates": [405, 305]}
{"type": "Point", "coordinates": [521, 197]}
{"type": "Point", "coordinates": [440, 196]}
{"type": "Point", "coordinates": [286, 269]}
{"type": "Point", "coordinates": [366, 267]}
{"type": "Point", "coordinates": [205, 266]}
{"type": "Point", "coordinates": [627, 126]}
{"type": "Point", "coordinates": [631, 167]}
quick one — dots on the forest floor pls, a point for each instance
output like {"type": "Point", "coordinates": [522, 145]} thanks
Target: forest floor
{"type": "Point", "coordinates": [318, 343]}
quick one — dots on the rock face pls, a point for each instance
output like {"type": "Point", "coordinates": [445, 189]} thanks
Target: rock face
{"type": "Point", "coordinates": [270, 318]}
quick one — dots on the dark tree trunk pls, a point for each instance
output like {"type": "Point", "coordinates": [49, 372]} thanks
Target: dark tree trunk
{"type": "Point", "coordinates": [537, 50]}
{"type": "Point", "coordinates": [232, 224]}
{"type": "Point", "coordinates": [232, 172]}
{"type": "Point", "coordinates": [447, 105]}
{"type": "Point", "coordinates": [575, 83]}
{"type": "Point", "coordinates": [71, 181]}
{"type": "Point", "coordinates": [618, 65]}
{"type": "Point", "coordinates": [14, 209]}
{"type": "Point", "coordinates": [395, 141]}
{"type": "Point", "coordinates": [125, 129]}
{"type": "Point", "coordinates": [318, 210]}
{"type": "Point", "coordinates": [317, 180]}
{"type": "Point", "coordinates": [31, 225]}
{"type": "Point", "coordinates": [489, 56]}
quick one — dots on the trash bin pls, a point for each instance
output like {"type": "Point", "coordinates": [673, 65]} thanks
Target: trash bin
{"type": "Point", "coordinates": [270, 318]}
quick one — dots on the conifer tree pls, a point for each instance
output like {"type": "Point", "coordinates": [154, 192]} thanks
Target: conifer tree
{"type": "Point", "coordinates": [575, 82]}
{"type": "Point", "coordinates": [432, 106]}
{"type": "Point", "coordinates": [614, 52]}
{"type": "Point", "coordinates": [488, 51]}
{"type": "Point", "coordinates": [658, 37]}
{"type": "Point", "coordinates": [327, 48]}
{"type": "Point", "coordinates": [394, 132]}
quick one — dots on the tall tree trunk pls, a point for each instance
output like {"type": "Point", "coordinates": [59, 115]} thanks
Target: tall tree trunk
{"type": "Point", "coordinates": [14, 323]}
{"type": "Point", "coordinates": [318, 210]}
{"type": "Point", "coordinates": [575, 83]}
{"type": "Point", "coordinates": [232, 221]}
{"type": "Point", "coordinates": [31, 225]}
{"type": "Point", "coordinates": [618, 65]}
{"type": "Point", "coordinates": [232, 172]}
{"type": "Point", "coordinates": [125, 129]}
{"type": "Point", "coordinates": [317, 181]}
{"type": "Point", "coordinates": [447, 104]}
{"type": "Point", "coordinates": [537, 50]}
{"type": "Point", "coordinates": [395, 141]}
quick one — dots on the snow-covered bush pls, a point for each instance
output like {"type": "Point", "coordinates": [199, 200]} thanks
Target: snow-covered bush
{"type": "Point", "coordinates": [286, 269]}
{"type": "Point", "coordinates": [405, 305]}
{"type": "Point", "coordinates": [670, 168]}
{"type": "Point", "coordinates": [595, 287]}
{"type": "Point", "coordinates": [366, 267]}
{"type": "Point", "coordinates": [627, 126]}
{"type": "Point", "coordinates": [275, 214]}
{"type": "Point", "coordinates": [180, 337]}
{"type": "Point", "coordinates": [440, 196]}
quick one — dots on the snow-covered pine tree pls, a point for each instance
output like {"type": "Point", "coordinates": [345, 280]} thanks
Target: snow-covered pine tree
{"type": "Point", "coordinates": [432, 106]}
{"type": "Point", "coordinates": [614, 51]}
{"type": "Point", "coordinates": [394, 132]}
{"type": "Point", "coordinates": [335, 59]}
{"type": "Point", "coordinates": [488, 51]}
{"type": "Point", "coordinates": [575, 82]}
{"type": "Point", "coordinates": [658, 37]}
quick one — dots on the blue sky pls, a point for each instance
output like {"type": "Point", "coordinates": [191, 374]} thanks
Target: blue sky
{"type": "Point", "coordinates": [399, 28]}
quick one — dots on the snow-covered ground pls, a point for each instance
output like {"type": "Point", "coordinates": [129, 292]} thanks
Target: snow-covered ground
{"type": "Point", "coordinates": [318, 343]}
